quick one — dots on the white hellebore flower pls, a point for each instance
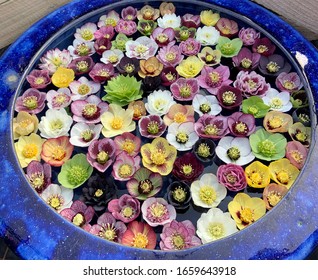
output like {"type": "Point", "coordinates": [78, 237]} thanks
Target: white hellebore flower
{"type": "Point", "coordinates": [82, 134]}
{"type": "Point", "coordinates": [215, 225]}
{"type": "Point", "coordinates": [112, 56]}
{"type": "Point", "coordinates": [235, 150]}
{"type": "Point", "coordinates": [207, 35]}
{"type": "Point", "coordinates": [81, 48]}
{"type": "Point", "coordinates": [278, 101]}
{"type": "Point", "coordinates": [55, 123]}
{"type": "Point", "coordinates": [182, 136]}
{"type": "Point", "coordinates": [169, 20]}
{"type": "Point", "coordinates": [207, 192]}
{"type": "Point", "coordinates": [83, 87]}
{"type": "Point", "coordinates": [58, 197]}
{"type": "Point", "coordinates": [86, 32]}
{"type": "Point", "coordinates": [142, 48]}
{"type": "Point", "coordinates": [203, 104]}
{"type": "Point", "coordinates": [159, 102]}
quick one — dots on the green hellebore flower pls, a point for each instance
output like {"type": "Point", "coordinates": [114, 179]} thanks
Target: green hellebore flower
{"type": "Point", "coordinates": [255, 106]}
{"type": "Point", "coordinates": [228, 47]}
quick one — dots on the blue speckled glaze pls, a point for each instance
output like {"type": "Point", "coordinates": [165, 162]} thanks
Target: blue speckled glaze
{"type": "Point", "coordinates": [34, 231]}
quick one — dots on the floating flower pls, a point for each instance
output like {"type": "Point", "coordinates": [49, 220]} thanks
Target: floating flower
{"type": "Point", "coordinates": [55, 58]}
{"type": "Point", "coordinates": [111, 18]}
{"type": "Point", "coordinates": [179, 195]}
{"type": "Point", "coordinates": [214, 225]}
{"type": "Point", "coordinates": [122, 90]}
{"type": "Point", "coordinates": [232, 176]}
{"type": "Point", "coordinates": [39, 78]}
{"type": "Point", "coordinates": [227, 27]}
{"type": "Point", "coordinates": [117, 121]}
{"type": "Point", "coordinates": [127, 27]}
{"type": "Point", "coordinates": [75, 172]}
{"type": "Point", "coordinates": [144, 184]}
{"type": "Point", "coordinates": [228, 47]}
{"type": "Point", "coordinates": [81, 48]}
{"type": "Point", "coordinates": [112, 56]}
{"type": "Point", "coordinates": [159, 102]}
{"type": "Point", "coordinates": [104, 44]}
{"type": "Point", "coordinates": [55, 123]}
{"type": "Point", "coordinates": [146, 27]}
{"type": "Point", "coordinates": [273, 194]}
{"type": "Point", "coordinates": [209, 56]}
{"type": "Point", "coordinates": [214, 127]}
{"type": "Point", "coordinates": [268, 146]}
{"type": "Point", "coordinates": [24, 124]}
{"type": "Point", "coordinates": [158, 156]}
{"type": "Point", "coordinates": [120, 42]}
{"type": "Point", "coordinates": [28, 148]}
{"type": "Point", "coordinates": [251, 84]}
{"type": "Point", "coordinates": [125, 167]}
{"type": "Point", "coordinates": [126, 208]}
{"type": "Point", "coordinates": [101, 154]}
{"type": "Point", "coordinates": [190, 47]}
{"type": "Point", "coordinates": [190, 67]}
{"type": "Point", "coordinates": [108, 228]}
{"type": "Point", "coordinates": [204, 150]}
{"type": "Point", "coordinates": [235, 150]}
{"type": "Point", "coordinates": [58, 99]}
{"type": "Point", "coordinates": [127, 143]}
{"type": "Point", "coordinates": [148, 13]}
{"type": "Point", "coordinates": [151, 84]}
{"type": "Point", "coordinates": [178, 236]}
{"type": "Point", "coordinates": [207, 192]}
{"type": "Point", "coordinates": [58, 197]}
{"type": "Point", "coordinates": [142, 48]}
{"type": "Point", "coordinates": [31, 101]}
{"type": "Point", "coordinates": [229, 97]}
{"type": "Point", "coordinates": [179, 114]}
{"type": "Point", "coordinates": [182, 135]}
{"type": "Point", "coordinates": [139, 109]}
{"type": "Point", "coordinates": [278, 101]}
{"type": "Point", "coordinates": [283, 172]}
{"type": "Point", "coordinates": [167, 8]}
{"type": "Point", "coordinates": [56, 151]}
{"type": "Point", "coordinates": [290, 82]}
{"type": "Point", "coordinates": [190, 21]}
{"type": "Point", "coordinates": [245, 210]}
{"type": "Point", "coordinates": [129, 13]}
{"type": "Point", "coordinates": [128, 66]}
{"type": "Point", "coordinates": [212, 79]}
{"type": "Point", "coordinates": [82, 134]}
{"type": "Point", "coordinates": [157, 211]}
{"type": "Point", "coordinates": [105, 32]}
{"type": "Point", "coordinates": [207, 35]}
{"type": "Point", "coordinates": [296, 153]}
{"type": "Point", "coordinates": [257, 175]}
{"type": "Point", "coordinates": [183, 33]}
{"type": "Point", "coordinates": [302, 115]}
{"type": "Point", "coordinates": [151, 126]}
{"type": "Point", "coordinates": [187, 167]}
{"type": "Point", "coordinates": [39, 175]}
{"type": "Point", "coordinates": [150, 67]}
{"type": "Point", "coordinates": [62, 77]}
{"type": "Point", "coordinates": [169, 20]}
{"type": "Point", "coordinates": [299, 99]}
{"type": "Point", "coordinates": [102, 72]}
{"type": "Point", "coordinates": [203, 104]}
{"type": "Point", "coordinates": [275, 121]}
{"type": "Point", "coordinates": [301, 133]}
{"type": "Point", "coordinates": [139, 235]}
{"type": "Point", "coordinates": [163, 36]}
{"type": "Point", "coordinates": [241, 125]}
{"type": "Point", "coordinates": [255, 106]}
{"type": "Point", "coordinates": [79, 214]}
{"type": "Point", "coordinates": [209, 18]}
{"type": "Point", "coordinates": [273, 65]}
{"type": "Point", "coordinates": [168, 76]}
{"type": "Point", "coordinates": [86, 31]}
{"type": "Point", "coordinates": [263, 46]}
{"type": "Point", "coordinates": [170, 55]}
{"type": "Point", "coordinates": [246, 60]}
{"type": "Point", "coordinates": [83, 87]}
{"type": "Point", "coordinates": [248, 35]}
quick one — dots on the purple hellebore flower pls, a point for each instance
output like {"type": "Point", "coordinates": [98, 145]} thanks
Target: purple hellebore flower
{"type": "Point", "coordinates": [185, 89]}
{"type": "Point", "coordinates": [178, 236]}
{"type": "Point", "coordinates": [241, 125]}
{"type": "Point", "coordinates": [214, 127]}
{"type": "Point", "coordinates": [163, 36]}
{"type": "Point", "coordinates": [248, 36]}
{"type": "Point", "coordinates": [125, 167]}
{"type": "Point", "coordinates": [129, 13]}
{"type": "Point", "coordinates": [229, 97]}
{"type": "Point", "coordinates": [264, 46]}
{"type": "Point", "coordinates": [151, 126]}
{"type": "Point", "coordinates": [102, 45]}
{"type": "Point", "coordinates": [273, 65]}
{"type": "Point", "coordinates": [190, 47]}
{"type": "Point", "coordinates": [127, 27]}
{"type": "Point", "coordinates": [39, 78]}
{"type": "Point", "coordinates": [213, 78]}
{"type": "Point", "coordinates": [102, 72]}
{"type": "Point", "coordinates": [227, 27]}
{"type": "Point", "coordinates": [288, 82]}
{"type": "Point", "coordinates": [108, 228]}
{"type": "Point", "coordinates": [106, 32]}
{"type": "Point", "coordinates": [246, 60]}
{"type": "Point", "coordinates": [31, 101]}
{"type": "Point", "coordinates": [170, 55]}
{"type": "Point", "coordinates": [190, 21]}
{"type": "Point", "coordinates": [88, 110]}
{"type": "Point", "coordinates": [82, 65]}
{"type": "Point", "coordinates": [126, 208]}
{"type": "Point", "coordinates": [101, 154]}
{"type": "Point", "coordinates": [232, 176]}
{"type": "Point", "coordinates": [39, 175]}
{"type": "Point", "coordinates": [168, 76]}
{"type": "Point", "coordinates": [128, 65]}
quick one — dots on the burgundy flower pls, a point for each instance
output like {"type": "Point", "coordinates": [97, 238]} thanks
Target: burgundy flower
{"type": "Point", "coordinates": [248, 36]}
{"type": "Point", "coordinates": [88, 110]}
{"type": "Point", "coordinates": [184, 89]}
{"type": "Point", "coordinates": [127, 27]}
{"type": "Point", "coordinates": [163, 36]}
{"type": "Point", "coordinates": [126, 208]}
{"type": "Point", "coordinates": [296, 153]}
{"type": "Point", "coordinates": [39, 175]}
{"type": "Point", "coordinates": [246, 60]}
{"type": "Point", "coordinates": [39, 78]}
{"type": "Point", "coordinates": [179, 195]}
{"type": "Point", "coordinates": [129, 13]}
{"type": "Point", "coordinates": [102, 72]}
{"type": "Point", "coordinates": [79, 214]}
{"type": "Point", "coordinates": [82, 65]}
{"type": "Point", "coordinates": [190, 47]}
{"type": "Point", "coordinates": [241, 125]}
{"type": "Point", "coordinates": [102, 44]}
{"type": "Point", "coordinates": [190, 21]}
{"type": "Point", "coordinates": [232, 176]}
{"type": "Point", "coordinates": [101, 154]}
{"type": "Point", "coordinates": [129, 66]}
{"type": "Point", "coordinates": [105, 32]}
{"type": "Point", "coordinates": [288, 82]}
{"type": "Point", "coordinates": [31, 101]}
{"type": "Point", "coordinates": [227, 27]}
{"type": "Point", "coordinates": [187, 168]}
{"type": "Point", "coordinates": [214, 127]}
{"type": "Point", "coordinates": [264, 46]}
{"type": "Point", "coordinates": [168, 76]}
{"type": "Point", "coordinates": [273, 65]}
{"type": "Point", "coordinates": [229, 97]}
{"type": "Point", "coordinates": [151, 84]}
{"type": "Point", "coordinates": [151, 126]}
{"type": "Point", "coordinates": [170, 55]}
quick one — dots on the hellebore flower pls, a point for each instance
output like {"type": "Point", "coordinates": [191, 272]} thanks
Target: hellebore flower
{"type": "Point", "coordinates": [128, 66]}
{"type": "Point", "coordinates": [101, 45]}
{"type": "Point", "coordinates": [81, 48]}
{"type": "Point", "coordinates": [296, 153]}
{"type": "Point", "coordinates": [63, 77]}
{"type": "Point", "coordinates": [184, 89]}
{"type": "Point", "coordinates": [248, 35]}
{"type": "Point", "coordinates": [126, 208]}
{"type": "Point", "coordinates": [82, 65]}
{"type": "Point", "coordinates": [151, 126]}
{"type": "Point", "coordinates": [263, 46]}
{"type": "Point", "coordinates": [169, 20]}
{"type": "Point", "coordinates": [206, 104]}
{"type": "Point", "coordinates": [301, 133]}
{"type": "Point", "coordinates": [190, 21]}
{"type": "Point", "coordinates": [290, 82]}
{"type": "Point", "coordinates": [228, 47]}
{"type": "Point", "coordinates": [150, 67]}
{"type": "Point", "coordinates": [241, 125]}
{"type": "Point", "coordinates": [102, 72]}
{"type": "Point", "coordinates": [146, 27]}
{"type": "Point", "coordinates": [148, 13]}
{"type": "Point", "coordinates": [82, 88]}
{"type": "Point", "coordinates": [120, 42]}
{"type": "Point", "coordinates": [190, 47]}
{"type": "Point", "coordinates": [183, 33]}
{"type": "Point", "coordinates": [275, 121]}
{"type": "Point", "coordinates": [179, 114]}
{"type": "Point", "coordinates": [246, 60]}
{"type": "Point", "coordinates": [168, 76]}
{"type": "Point", "coordinates": [255, 106]}
{"type": "Point", "coordinates": [170, 55]}
{"type": "Point", "coordinates": [142, 48]}
{"type": "Point", "coordinates": [127, 143]}
{"type": "Point", "coordinates": [159, 102]}
{"type": "Point", "coordinates": [207, 35]}
{"type": "Point", "coordinates": [257, 175]}
{"type": "Point", "coordinates": [232, 176]}
{"type": "Point", "coordinates": [129, 13]}
{"type": "Point", "coordinates": [273, 65]}
{"type": "Point", "coordinates": [39, 78]}
{"type": "Point", "coordinates": [61, 98]}
{"type": "Point", "coordinates": [204, 150]}
{"type": "Point", "coordinates": [112, 56]}
{"type": "Point", "coordinates": [31, 101]}
{"type": "Point", "coordinates": [214, 127]}
{"type": "Point", "coordinates": [110, 19]}
{"type": "Point", "coordinates": [127, 27]}
{"type": "Point", "coordinates": [229, 97]}
{"type": "Point", "coordinates": [163, 36]}
{"type": "Point", "coordinates": [228, 28]}
{"type": "Point", "coordinates": [83, 134]}
{"type": "Point", "coordinates": [273, 194]}
{"type": "Point", "coordinates": [209, 56]}
{"type": "Point", "coordinates": [167, 8]}
{"type": "Point", "coordinates": [24, 124]}
{"type": "Point", "coordinates": [190, 67]}
{"type": "Point", "coordinates": [125, 167]}
{"type": "Point", "coordinates": [179, 195]}
{"type": "Point", "coordinates": [209, 18]}
{"type": "Point", "coordinates": [39, 175]}
{"type": "Point", "coordinates": [55, 58]}
{"type": "Point", "coordinates": [86, 31]}
{"type": "Point", "coordinates": [278, 101]}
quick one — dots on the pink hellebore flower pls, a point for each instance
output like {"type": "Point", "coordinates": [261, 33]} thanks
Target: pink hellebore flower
{"type": "Point", "coordinates": [101, 72]}
{"type": "Point", "coordinates": [106, 32]}
{"type": "Point", "coordinates": [31, 101]}
{"type": "Point", "coordinates": [214, 127]}
{"type": "Point", "coordinates": [248, 36]}
{"type": "Point", "coordinates": [185, 89]}
{"type": "Point", "coordinates": [190, 47]}
{"type": "Point", "coordinates": [241, 125]}
{"type": "Point", "coordinates": [170, 55]}
{"type": "Point", "coordinates": [246, 60]}
{"type": "Point", "coordinates": [125, 167]}
{"type": "Point", "coordinates": [127, 27]}
{"type": "Point", "coordinates": [39, 175]}
{"type": "Point", "coordinates": [288, 82]}
{"type": "Point", "coordinates": [129, 13]}
{"type": "Point", "coordinates": [163, 36]}
{"type": "Point", "coordinates": [39, 78]}
{"type": "Point", "coordinates": [190, 21]}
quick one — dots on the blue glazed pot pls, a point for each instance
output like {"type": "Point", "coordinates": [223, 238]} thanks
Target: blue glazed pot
{"type": "Point", "coordinates": [34, 231]}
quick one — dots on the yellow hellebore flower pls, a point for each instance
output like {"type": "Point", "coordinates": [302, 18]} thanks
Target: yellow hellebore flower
{"type": "Point", "coordinates": [245, 210]}
{"type": "Point", "coordinates": [257, 175]}
{"type": "Point", "coordinates": [24, 124]}
{"type": "Point", "coordinates": [190, 67]}
{"type": "Point", "coordinates": [117, 120]}
{"type": "Point", "coordinates": [63, 77]}
{"type": "Point", "coordinates": [209, 18]}
{"type": "Point", "coordinates": [29, 148]}
{"type": "Point", "coordinates": [283, 172]}
{"type": "Point", "coordinates": [159, 156]}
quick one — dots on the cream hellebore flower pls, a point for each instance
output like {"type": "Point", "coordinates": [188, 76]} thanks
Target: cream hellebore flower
{"type": "Point", "coordinates": [207, 35]}
{"type": "Point", "coordinates": [159, 102]}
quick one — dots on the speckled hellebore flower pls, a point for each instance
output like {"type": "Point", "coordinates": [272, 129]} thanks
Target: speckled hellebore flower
{"type": "Point", "coordinates": [301, 133]}
{"type": "Point", "coordinates": [290, 82]}
{"type": "Point", "coordinates": [125, 208]}
{"type": "Point", "coordinates": [296, 153]}
{"type": "Point", "coordinates": [184, 89]}
{"type": "Point", "coordinates": [82, 134]}
{"type": "Point", "coordinates": [31, 101]}
{"type": "Point", "coordinates": [227, 27]}
{"type": "Point", "coordinates": [39, 78]}
{"type": "Point", "coordinates": [24, 124]}
{"type": "Point", "coordinates": [283, 172]}
{"type": "Point", "coordinates": [255, 106]}
{"type": "Point", "coordinates": [257, 175]}
{"type": "Point", "coordinates": [209, 56]}
{"type": "Point", "coordinates": [264, 46]}
{"type": "Point", "coordinates": [158, 156]}
{"type": "Point", "coordinates": [39, 175]}
{"type": "Point", "coordinates": [151, 126]}
{"type": "Point", "coordinates": [273, 65]}
{"type": "Point", "coordinates": [268, 146]}
{"type": "Point", "coordinates": [248, 35]}
{"type": "Point", "coordinates": [179, 114]}
{"type": "Point", "coordinates": [228, 47]}
{"type": "Point", "coordinates": [232, 176]}
{"type": "Point", "coordinates": [75, 172]}
{"type": "Point", "coordinates": [62, 77]}
{"type": "Point", "coordinates": [246, 60]}
{"type": "Point", "coordinates": [275, 121]}
{"type": "Point", "coordinates": [190, 67]}
{"type": "Point", "coordinates": [206, 104]}
{"type": "Point", "coordinates": [241, 125]}
{"type": "Point", "coordinates": [214, 127]}
{"type": "Point", "coordinates": [125, 167]}
{"type": "Point", "coordinates": [273, 194]}
{"type": "Point", "coordinates": [245, 210]}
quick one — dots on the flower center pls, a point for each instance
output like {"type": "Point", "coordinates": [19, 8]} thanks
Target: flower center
{"type": "Point", "coordinates": [159, 103]}
{"type": "Point", "coordinates": [83, 89]}
{"type": "Point", "coordinates": [227, 48]}
{"type": "Point", "coordinates": [76, 175]}
{"type": "Point", "coordinates": [276, 103]}
{"type": "Point", "coordinates": [207, 194]}
{"type": "Point", "coordinates": [184, 35]}
{"type": "Point", "coordinates": [185, 91]}
{"type": "Point", "coordinates": [37, 180]}
{"type": "Point", "coordinates": [187, 169]}
{"type": "Point", "coordinates": [204, 150]}
{"type": "Point", "coordinates": [246, 215]}
{"type": "Point", "coordinates": [158, 210]}
{"type": "Point", "coordinates": [90, 111]}
{"type": "Point", "coordinates": [113, 58]}
{"type": "Point", "coordinates": [170, 56]}
{"type": "Point", "coordinates": [272, 67]}
{"type": "Point", "coordinates": [177, 241]}
{"type": "Point", "coordinates": [275, 122]}
{"type": "Point", "coordinates": [55, 201]}
{"type": "Point", "coordinates": [108, 232]}
{"type": "Point", "coordinates": [304, 117]}
{"type": "Point", "coordinates": [98, 193]}
{"type": "Point", "coordinates": [103, 73]}
{"type": "Point", "coordinates": [262, 49]}
{"type": "Point", "coordinates": [179, 194]}
{"type": "Point", "coordinates": [129, 68]}
{"type": "Point", "coordinates": [297, 156]}
{"type": "Point", "coordinates": [170, 76]}
{"type": "Point", "coordinates": [140, 240]}
{"type": "Point", "coordinates": [125, 171]}
{"type": "Point", "coordinates": [141, 49]}
{"type": "Point", "coordinates": [31, 102]}
{"type": "Point", "coordinates": [283, 177]}
{"type": "Point", "coordinates": [301, 136]}
{"type": "Point", "coordinates": [110, 21]}
{"type": "Point", "coordinates": [30, 150]}
{"type": "Point", "coordinates": [233, 153]}
{"type": "Point", "coordinates": [230, 178]}
{"type": "Point", "coordinates": [145, 187]}
{"type": "Point", "coordinates": [251, 84]}
{"type": "Point", "coordinates": [102, 157]}
{"type": "Point", "coordinates": [117, 123]}
{"type": "Point", "coordinates": [78, 219]}
{"type": "Point", "coordinates": [82, 49]}
{"type": "Point", "coordinates": [216, 230]}
{"type": "Point", "coordinates": [273, 198]}
{"type": "Point", "coordinates": [82, 66]}
{"type": "Point", "coordinates": [228, 98]}
{"type": "Point", "coordinates": [87, 135]}
{"type": "Point", "coordinates": [39, 81]}
{"type": "Point", "coordinates": [214, 77]}
{"type": "Point", "coordinates": [158, 158]}
{"type": "Point", "coordinates": [253, 110]}
{"type": "Point", "coordinates": [87, 34]}
{"type": "Point", "coordinates": [256, 178]}
{"type": "Point", "coordinates": [240, 128]}
{"type": "Point", "coordinates": [58, 153]}
{"type": "Point", "coordinates": [289, 84]}
{"type": "Point", "coordinates": [162, 38]}
{"type": "Point", "coordinates": [127, 212]}
{"type": "Point", "coordinates": [182, 137]}
{"type": "Point", "coordinates": [246, 63]}
{"type": "Point", "coordinates": [179, 117]}
{"type": "Point", "coordinates": [129, 146]}
{"type": "Point", "coordinates": [267, 148]}
{"type": "Point", "coordinates": [211, 129]}
{"type": "Point", "coordinates": [210, 58]}
{"type": "Point", "coordinates": [25, 123]}
{"type": "Point", "coordinates": [153, 127]}
{"type": "Point", "coordinates": [60, 99]}
{"type": "Point", "coordinates": [205, 108]}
